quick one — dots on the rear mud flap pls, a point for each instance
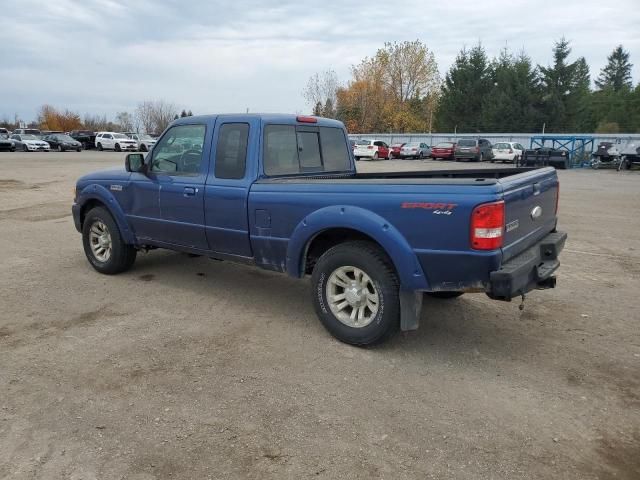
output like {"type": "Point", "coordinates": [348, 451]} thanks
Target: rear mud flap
{"type": "Point", "coordinates": [410, 309]}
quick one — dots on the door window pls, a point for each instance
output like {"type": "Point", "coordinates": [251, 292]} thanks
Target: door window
{"type": "Point", "coordinates": [231, 152]}
{"type": "Point", "coordinates": [179, 152]}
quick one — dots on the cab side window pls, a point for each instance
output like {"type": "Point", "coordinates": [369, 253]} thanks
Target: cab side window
{"type": "Point", "coordinates": [231, 151]}
{"type": "Point", "coordinates": [179, 151]}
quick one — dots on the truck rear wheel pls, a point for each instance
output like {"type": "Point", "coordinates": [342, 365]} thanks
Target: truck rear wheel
{"type": "Point", "coordinates": [103, 244]}
{"type": "Point", "coordinates": [355, 293]}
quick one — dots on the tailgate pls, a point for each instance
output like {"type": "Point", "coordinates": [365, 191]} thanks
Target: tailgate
{"type": "Point", "coordinates": [530, 209]}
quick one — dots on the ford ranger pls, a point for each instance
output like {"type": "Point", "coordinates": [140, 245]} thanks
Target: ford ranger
{"type": "Point", "coordinates": [282, 192]}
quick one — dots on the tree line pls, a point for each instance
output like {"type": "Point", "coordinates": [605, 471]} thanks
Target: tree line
{"type": "Point", "coordinates": [150, 116]}
{"type": "Point", "coordinates": [400, 89]}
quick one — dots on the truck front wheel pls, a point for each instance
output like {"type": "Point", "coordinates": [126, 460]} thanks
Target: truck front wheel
{"type": "Point", "coordinates": [103, 244]}
{"type": "Point", "coordinates": [355, 293]}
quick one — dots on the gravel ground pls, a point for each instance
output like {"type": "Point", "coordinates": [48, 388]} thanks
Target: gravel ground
{"type": "Point", "coordinates": [191, 368]}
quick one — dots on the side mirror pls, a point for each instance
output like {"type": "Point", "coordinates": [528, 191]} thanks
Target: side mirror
{"type": "Point", "coordinates": [134, 162]}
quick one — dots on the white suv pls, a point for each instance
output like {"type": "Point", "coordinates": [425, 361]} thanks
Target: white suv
{"type": "Point", "coordinates": [506, 152]}
{"type": "Point", "coordinates": [373, 149]}
{"type": "Point", "coordinates": [145, 141]}
{"type": "Point", "coordinates": [115, 141]}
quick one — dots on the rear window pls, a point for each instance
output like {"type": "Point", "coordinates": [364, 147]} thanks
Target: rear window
{"type": "Point", "coordinates": [467, 143]}
{"type": "Point", "coordinates": [444, 145]}
{"type": "Point", "coordinates": [289, 150]}
{"type": "Point", "coordinates": [363, 142]}
{"type": "Point", "coordinates": [502, 145]}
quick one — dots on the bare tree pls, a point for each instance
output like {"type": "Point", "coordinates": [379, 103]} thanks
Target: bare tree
{"type": "Point", "coordinates": [144, 116]}
{"type": "Point", "coordinates": [163, 114]}
{"type": "Point", "coordinates": [321, 87]}
{"type": "Point", "coordinates": [125, 120]}
{"type": "Point", "coordinates": [155, 116]}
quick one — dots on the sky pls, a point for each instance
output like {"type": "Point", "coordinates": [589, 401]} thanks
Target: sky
{"type": "Point", "coordinates": [105, 56]}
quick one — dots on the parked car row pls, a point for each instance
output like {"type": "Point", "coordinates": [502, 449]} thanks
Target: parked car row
{"type": "Point", "coordinates": [33, 139]}
{"type": "Point", "coordinates": [475, 150]}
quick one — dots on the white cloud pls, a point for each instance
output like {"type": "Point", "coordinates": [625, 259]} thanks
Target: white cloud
{"type": "Point", "coordinates": [210, 56]}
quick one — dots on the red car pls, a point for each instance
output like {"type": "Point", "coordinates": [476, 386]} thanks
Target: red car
{"type": "Point", "coordinates": [445, 150]}
{"type": "Point", "coordinates": [395, 149]}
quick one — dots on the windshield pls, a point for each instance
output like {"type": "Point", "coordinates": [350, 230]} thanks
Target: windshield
{"type": "Point", "coordinates": [4, 135]}
{"type": "Point", "coordinates": [120, 135]}
{"type": "Point", "coordinates": [467, 143]}
{"type": "Point", "coordinates": [28, 137]}
{"type": "Point", "coordinates": [444, 145]}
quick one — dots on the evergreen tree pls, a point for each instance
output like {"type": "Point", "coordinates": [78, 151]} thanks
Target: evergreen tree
{"type": "Point", "coordinates": [513, 103]}
{"type": "Point", "coordinates": [189, 113]}
{"type": "Point", "coordinates": [465, 87]}
{"type": "Point", "coordinates": [318, 109]}
{"type": "Point", "coordinates": [329, 111]}
{"type": "Point", "coordinates": [617, 73]}
{"type": "Point", "coordinates": [183, 113]}
{"type": "Point", "coordinates": [565, 89]}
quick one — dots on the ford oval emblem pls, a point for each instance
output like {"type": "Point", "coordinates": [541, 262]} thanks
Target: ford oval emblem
{"type": "Point", "coordinates": [536, 213]}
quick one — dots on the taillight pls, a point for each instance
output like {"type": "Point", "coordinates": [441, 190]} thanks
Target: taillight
{"type": "Point", "coordinates": [557, 198]}
{"type": "Point", "coordinates": [510, 150]}
{"type": "Point", "coordinates": [487, 226]}
{"type": "Point", "coordinates": [370, 147]}
{"type": "Point", "coordinates": [477, 149]}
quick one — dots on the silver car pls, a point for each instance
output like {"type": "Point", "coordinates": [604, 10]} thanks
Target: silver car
{"type": "Point", "coordinates": [29, 143]}
{"type": "Point", "coordinates": [415, 150]}
{"type": "Point", "coordinates": [145, 141]}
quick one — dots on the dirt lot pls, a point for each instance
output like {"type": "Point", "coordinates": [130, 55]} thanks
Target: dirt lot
{"type": "Point", "coordinates": [190, 368]}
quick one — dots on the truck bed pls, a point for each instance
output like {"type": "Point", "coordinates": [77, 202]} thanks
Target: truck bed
{"type": "Point", "coordinates": [485, 176]}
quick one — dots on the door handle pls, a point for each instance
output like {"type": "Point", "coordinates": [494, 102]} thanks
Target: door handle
{"type": "Point", "coordinates": [190, 191]}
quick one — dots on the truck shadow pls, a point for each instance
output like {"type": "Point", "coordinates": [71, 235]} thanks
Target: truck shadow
{"type": "Point", "coordinates": [467, 326]}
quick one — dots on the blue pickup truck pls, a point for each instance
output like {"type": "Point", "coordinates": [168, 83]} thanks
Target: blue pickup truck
{"type": "Point", "coordinates": [282, 192]}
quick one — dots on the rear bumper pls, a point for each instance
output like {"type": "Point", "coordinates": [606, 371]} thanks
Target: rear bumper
{"type": "Point", "coordinates": [504, 157]}
{"type": "Point", "coordinates": [532, 269]}
{"type": "Point", "coordinates": [442, 154]}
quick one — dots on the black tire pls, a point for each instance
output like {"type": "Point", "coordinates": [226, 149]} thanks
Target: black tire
{"type": "Point", "coordinates": [99, 147]}
{"type": "Point", "coordinates": [481, 159]}
{"type": "Point", "coordinates": [60, 148]}
{"type": "Point", "coordinates": [445, 295]}
{"type": "Point", "coordinates": [79, 149]}
{"type": "Point", "coordinates": [375, 156]}
{"type": "Point", "coordinates": [117, 148]}
{"type": "Point", "coordinates": [122, 255]}
{"type": "Point", "coordinates": [357, 159]}
{"type": "Point", "coordinates": [25, 148]}
{"type": "Point", "coordinates": [12, 149]}
{"type": "Point", "coordinates": [374, 262]}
